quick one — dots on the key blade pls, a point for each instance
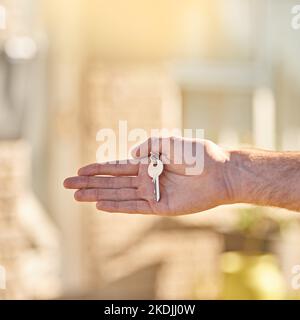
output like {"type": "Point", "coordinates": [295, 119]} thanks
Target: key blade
{"type": "Point", "coordinates": [156, 190]}
{"type": "Point", "coordinates": [154, 171]}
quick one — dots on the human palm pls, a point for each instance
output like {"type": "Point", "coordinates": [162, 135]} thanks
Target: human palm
{"type": "Point", "coordinates": [127, 187]}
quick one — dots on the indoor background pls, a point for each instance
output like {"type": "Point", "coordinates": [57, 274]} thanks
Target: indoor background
{"type": "Point", "coordinates": [71, 67]}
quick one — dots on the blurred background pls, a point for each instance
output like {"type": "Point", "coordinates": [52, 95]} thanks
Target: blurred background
{"type": "Point", "coordinates": [69, 68]}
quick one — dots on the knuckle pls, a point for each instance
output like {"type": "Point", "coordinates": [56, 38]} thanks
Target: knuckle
{"type": "Point", "coordinates": [87, 181]}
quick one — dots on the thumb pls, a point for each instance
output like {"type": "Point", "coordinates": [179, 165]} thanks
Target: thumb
{"type": "Point", "coordinates": [152, 144]}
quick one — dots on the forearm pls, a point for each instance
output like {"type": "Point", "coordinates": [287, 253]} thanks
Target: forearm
{"type": "Point", "coordinates": [264, 178]}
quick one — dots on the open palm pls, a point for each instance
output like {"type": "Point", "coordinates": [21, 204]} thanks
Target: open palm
{"type": "Point", "coordinates": [119, 187]}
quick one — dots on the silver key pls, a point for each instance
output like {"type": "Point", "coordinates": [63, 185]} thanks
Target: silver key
{"type": "Point", "coordinates": [154, 170]}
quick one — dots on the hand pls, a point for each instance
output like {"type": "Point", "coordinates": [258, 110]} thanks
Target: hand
{"type": "Point", "coordinates": [127, 188]}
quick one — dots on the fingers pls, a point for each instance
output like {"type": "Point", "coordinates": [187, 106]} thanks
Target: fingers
{"type": "Point", "coordinates": [152, 144]}
{"type": "Point", "coordinates": [163, 146]}
{"type": "Point", "coordinates": [82, 182]}
{"type": "Point", "coordinates": [137, 206]}
{"type": "Point", "coordinates": [112, 169]}
{"type": "Point", "coordinates": [93, 195]}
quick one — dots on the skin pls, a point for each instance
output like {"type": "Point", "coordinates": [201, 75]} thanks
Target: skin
{"type": "Point", "coordinates": [227, 177]}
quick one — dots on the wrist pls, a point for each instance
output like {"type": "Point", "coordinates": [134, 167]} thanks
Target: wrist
{"type": "Point", "coordinates": [237, 176]}
{"type": "Point", "coordinates": [264, 178]}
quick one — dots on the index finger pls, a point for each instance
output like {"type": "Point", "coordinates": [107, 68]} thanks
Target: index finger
{"type": "Point", "coordinates": [108, 168]}
{"type": "Point", "coordinates": [160, 145]}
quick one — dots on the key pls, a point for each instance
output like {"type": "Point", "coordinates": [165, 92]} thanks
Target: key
{"type": "Point", "coordinates": [154, 170]}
